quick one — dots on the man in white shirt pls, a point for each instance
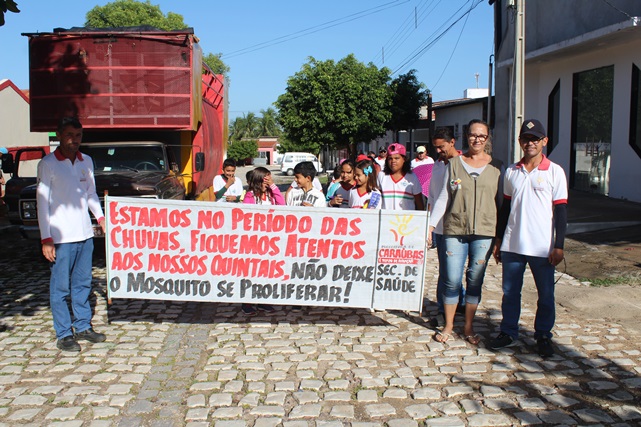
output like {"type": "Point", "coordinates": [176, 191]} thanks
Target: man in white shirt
{"type": "Point", "coordinates": [421, 157]}
{"type": "Point", "coordinates": [445, 145]}
{"type": "Point", "coordinates": [531, 231]}
{"type": "Point", "coordinates": [66, 192]}
{"type": "Point", "coordinates": [382, 157]}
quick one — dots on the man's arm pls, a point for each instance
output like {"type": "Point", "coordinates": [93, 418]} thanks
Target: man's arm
{"type": "Point", "coordinates": [94, 202]}
{"type": "Point", "coordinates": [418, 202]}
{"type": "Point", "coordinates": [560, 228]}
{"type": "Point", "coordinates": [501, 225]}
{"type": "Point", "coordinates": [42, 199]}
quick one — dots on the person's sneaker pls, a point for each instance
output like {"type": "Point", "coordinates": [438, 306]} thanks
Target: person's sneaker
{"type": "Point", "coordinates": [545, 347]}
{"type": "Point", "coordinates": [266, 308]}
{"type": "Point", "coordinates": [248, 309]}
{"type": "Point", "coordinates": [68, 344]}
{"type": "Point", "coordinates": [503, 340]}
{"type": "Point", "coordinates": [91, 336]}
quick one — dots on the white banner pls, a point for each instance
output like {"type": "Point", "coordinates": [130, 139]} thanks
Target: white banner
{"type": "Point", "coordinates": [200, 251]}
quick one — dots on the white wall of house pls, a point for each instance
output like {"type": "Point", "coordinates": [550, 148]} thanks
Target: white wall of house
{"type": "Point", "coordinates": [562, 39]}
{"type": "Point", "coordinates": [458, 116]}
{"type": "Point", "coordinates": [625, 163]}
{"type": "Point", "coordinates": [14, 119]}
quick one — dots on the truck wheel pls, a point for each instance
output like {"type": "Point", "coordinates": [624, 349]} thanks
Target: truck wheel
{"type": "Point", "coordinates": [290, 172]}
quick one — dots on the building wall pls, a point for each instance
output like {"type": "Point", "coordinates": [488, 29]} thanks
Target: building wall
{"type": "Point", "coordinates": [549, 22]}
{"type": "Point", "coordinates": [458, 117]}
{"type": "Point", "coordinates": [625, 164]}
{"type": "Point", "coordinates": [14, 119]}
{"type": "Point", "coordinates": [557, 59]}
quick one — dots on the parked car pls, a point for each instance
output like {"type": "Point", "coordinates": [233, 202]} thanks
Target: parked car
{"type": "Point", "coordinates": [290, 160]}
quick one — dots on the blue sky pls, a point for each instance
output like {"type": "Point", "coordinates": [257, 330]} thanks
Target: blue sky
{"type": "Point", "coordinates": [266, 42]}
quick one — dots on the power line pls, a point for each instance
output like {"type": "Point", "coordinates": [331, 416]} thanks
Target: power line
{"type": "Point", "coordinates": [427, 44]}
{"type": "Point", "coordinates": [422, 17]}
{"type": "Point", "coordinates": [400, 34]}
{"type": "Point", "coordinates": [314, 29]}
{"type": "Point", "coordinates": [617, 9]}
{"type": "Point", "coordinates": [452, 54]}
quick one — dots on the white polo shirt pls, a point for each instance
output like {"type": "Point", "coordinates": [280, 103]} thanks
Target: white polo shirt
{"type": "Point", "coordinates": [530, 228]}
{"type": "Point", "coordinates": [236, 189]}
{"type": "Point", "coordinates": [66, 192]}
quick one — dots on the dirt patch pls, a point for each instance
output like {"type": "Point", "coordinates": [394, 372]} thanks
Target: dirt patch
{"type": "Point", "coordinates": [610, 261]}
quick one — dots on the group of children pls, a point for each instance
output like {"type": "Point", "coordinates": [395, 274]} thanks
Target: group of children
{"type": "Point", "coordinates": [362, 184]}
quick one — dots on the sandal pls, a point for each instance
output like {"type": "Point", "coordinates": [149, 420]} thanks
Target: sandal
{"type": "Point", "coordinates": [473, 339]}
{"type": "Point", "coordinates": [442, 337]}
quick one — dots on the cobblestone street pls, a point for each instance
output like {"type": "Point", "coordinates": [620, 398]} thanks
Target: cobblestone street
{"type": "Point", "coordinates": [198, 364]}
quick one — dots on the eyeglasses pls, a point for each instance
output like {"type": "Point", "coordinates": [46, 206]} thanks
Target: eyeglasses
{"type": "Point", "coordinates": [526, 140]}
{"type": "Point", "coordinates": [480, 138]}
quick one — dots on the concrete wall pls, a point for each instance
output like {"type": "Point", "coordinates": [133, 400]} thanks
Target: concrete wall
{"type": "Point", "coordinates": [458, 117]}
{"type": "Point", "coordinates": [625, 166]}
{"type": "Point", "coordinates": [14, 119]}
{"type": "Point", "coordinates": [559, 57]}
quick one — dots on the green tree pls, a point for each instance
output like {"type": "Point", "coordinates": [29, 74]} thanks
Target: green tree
{"type": "Point", "coordinates": [268, 123]}
{"type": "Point", "coordinates": [408, 96]}
{"type": "Point", "coordinates": [335, 104]}
{"type": "Point", "coordinates": [216, 64]}
{"type": "Point", "coordinates": [130, 13]}
{"type": "Point", "coordinates": [7, 6]}
{"type": "Point", "coordinates": [245, 127]}
{"type": "Point", "coordinates": [242, 151]}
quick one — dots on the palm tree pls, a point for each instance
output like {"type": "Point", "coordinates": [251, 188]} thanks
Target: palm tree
{"type": "Point", "coordinates": [268, 123]}
{"type": "Point", "coordinates": [245, 127]}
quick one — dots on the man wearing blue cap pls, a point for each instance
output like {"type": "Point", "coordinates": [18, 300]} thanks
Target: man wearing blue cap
{"type": "Point", "coordinates": [531, 231]}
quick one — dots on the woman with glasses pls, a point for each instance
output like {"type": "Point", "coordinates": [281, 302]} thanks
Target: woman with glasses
{"type": "Point", "coordinates": [468, 206]}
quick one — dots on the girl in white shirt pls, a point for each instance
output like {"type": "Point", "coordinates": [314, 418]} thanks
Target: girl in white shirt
{"type": "Point", "coordinates": [365, 194]}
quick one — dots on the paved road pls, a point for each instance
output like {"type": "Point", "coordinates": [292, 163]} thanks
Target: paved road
{"type": "Point", "coordinates": [196, 364]}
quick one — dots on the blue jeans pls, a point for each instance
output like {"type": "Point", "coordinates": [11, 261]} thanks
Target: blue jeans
{"type": "Point", "coordinates": [440, 284]}
{"type": "Point", "coordinates": [476, 250]}
{"type": "Point", "coordinates": [71, 278]}
{"type": "Point", "coordinates": [543, 272]}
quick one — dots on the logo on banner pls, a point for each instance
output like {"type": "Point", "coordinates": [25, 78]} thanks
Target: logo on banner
{"type": "Point", "coordinates": [399, 253]}
{"type": "Point", "coordinates": [401, 228]}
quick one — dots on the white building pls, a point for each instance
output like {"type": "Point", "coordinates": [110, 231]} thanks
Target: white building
{"type": "Point", "coordinates": [583, 82]}
{"type": "Point", "coordinates": [14, 122]}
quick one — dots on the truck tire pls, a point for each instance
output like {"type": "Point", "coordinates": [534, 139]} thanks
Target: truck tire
{"type": "Point", "coordinates": [290, 172]}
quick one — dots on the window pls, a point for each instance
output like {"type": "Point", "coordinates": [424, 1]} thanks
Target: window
{"type": "Point", "coordinates": [635, 111]}
{"type": "Point", "coordinates": [592, 101]}
{"type": "Point", "coordinates": [554, 103]}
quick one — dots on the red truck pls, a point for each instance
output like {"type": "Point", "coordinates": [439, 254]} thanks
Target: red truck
{"type": "Point", "coordinates": [154, 115]}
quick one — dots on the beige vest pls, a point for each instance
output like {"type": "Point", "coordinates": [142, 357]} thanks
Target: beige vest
{"type": "Point", "coordinates": [472, 204]}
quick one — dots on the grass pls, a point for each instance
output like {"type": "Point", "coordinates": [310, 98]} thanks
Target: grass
{"type": "Point", "coordinates": [614, 281]}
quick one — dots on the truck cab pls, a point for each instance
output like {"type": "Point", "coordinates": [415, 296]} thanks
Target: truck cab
{"type": "Point", "coordinates": [21, 172]}
{"type": "Point", "coordinates": [123, 168]}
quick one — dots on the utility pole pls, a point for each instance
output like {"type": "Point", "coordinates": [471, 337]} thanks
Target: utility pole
{"type": "Point", "coordinates": [518, 79]}
{"type": "Point", "coordinates": [489, 94]}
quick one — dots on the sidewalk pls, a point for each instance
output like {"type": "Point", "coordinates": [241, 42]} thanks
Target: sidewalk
{"type": "Point", "coordinates": [203, 364]}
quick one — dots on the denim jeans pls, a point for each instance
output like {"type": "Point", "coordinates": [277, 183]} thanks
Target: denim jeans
{"type": "Point", "coordinates": [71, 278]}
{"type": "Point", "coordinates": [476, 251]}
{"type": "Point", "coordinates": [440, 284]}
{"type": "Point", "coordinates": [543, 272]}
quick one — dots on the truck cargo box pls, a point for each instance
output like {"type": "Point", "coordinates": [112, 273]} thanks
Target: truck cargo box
{"type": "Point", "coordinates": [115, 78]}
{"type": "Point", "coordinates": [133, 83]}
